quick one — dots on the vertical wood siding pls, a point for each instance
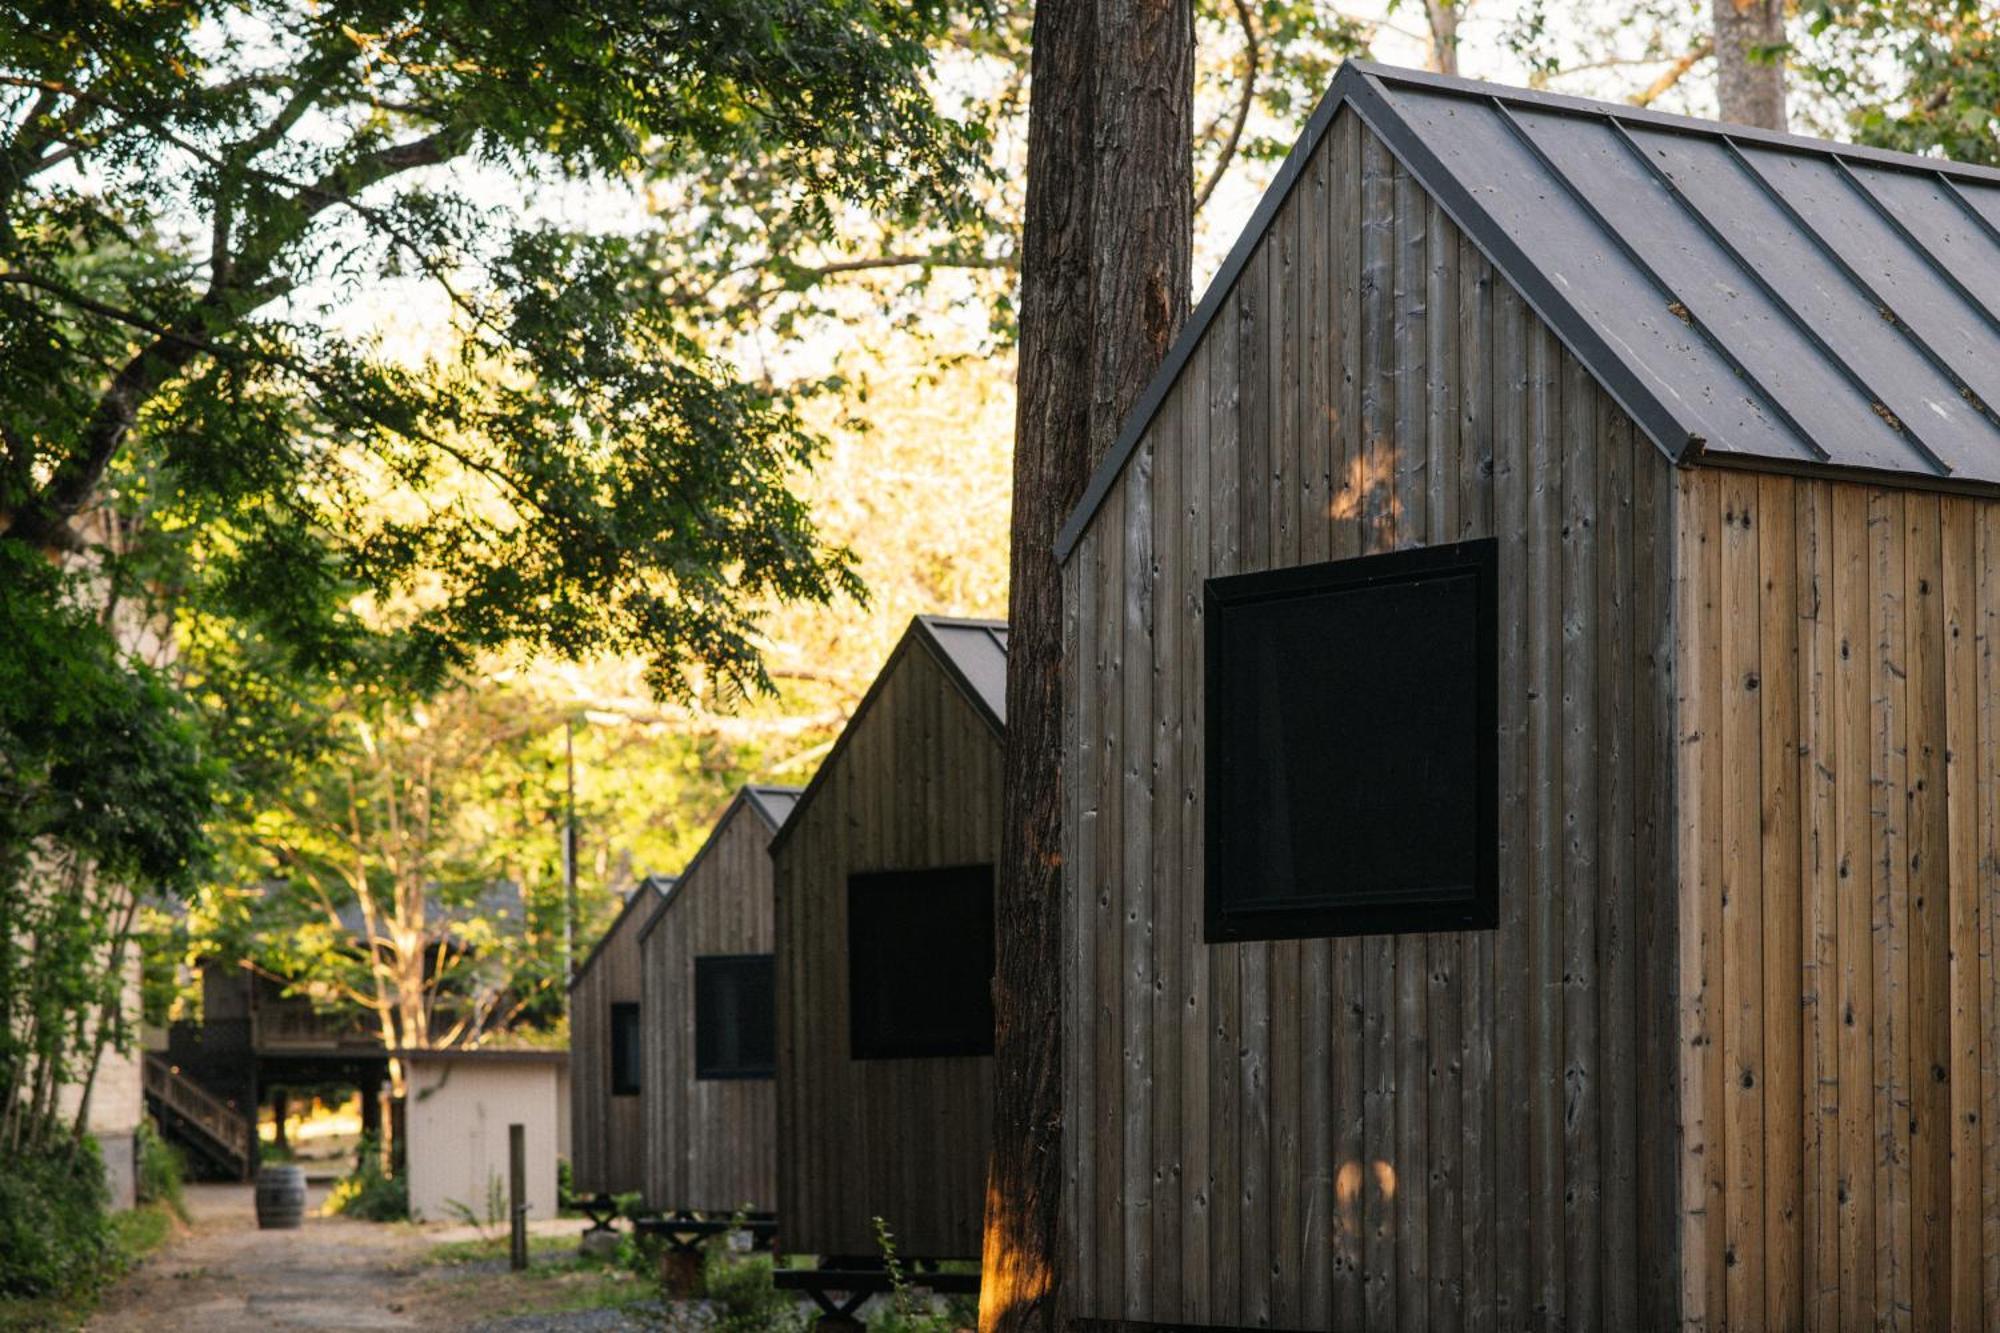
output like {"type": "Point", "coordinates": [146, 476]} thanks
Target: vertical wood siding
{"type": "Point", "coordinates": [1455, 1131]}
{"type": "Point", "coordinates": [711, 1144]}
{"type": "Point", "coordinates": [914, 783]}
{"type": "Point", "coordinates": [1838, 841]}
{"type": "Point", "coordinates": [607, 1133]}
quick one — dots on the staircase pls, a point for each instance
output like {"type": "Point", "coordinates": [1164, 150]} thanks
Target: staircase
{"type": "Point", "coordinates": [198, 1120]}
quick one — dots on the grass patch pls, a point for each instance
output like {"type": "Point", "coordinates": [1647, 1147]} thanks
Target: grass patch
{"type": "Point", "coordinates": [542, 1250]}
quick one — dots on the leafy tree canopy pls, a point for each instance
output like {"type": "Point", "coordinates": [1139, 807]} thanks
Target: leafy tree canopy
{"type": "Point", "coordinates": [193, 195]}
{"type": "Point", "coordinates": [1916, 75]}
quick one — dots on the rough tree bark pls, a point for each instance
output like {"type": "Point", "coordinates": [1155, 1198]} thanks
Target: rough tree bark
{"type": "Point", "coordinates": [1750, 90]}
{"type": "Point", "coordinates": [1106, 258]}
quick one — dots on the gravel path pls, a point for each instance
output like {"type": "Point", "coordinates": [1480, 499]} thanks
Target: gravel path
{"type": "Point", "coordinates": [225, 1276]}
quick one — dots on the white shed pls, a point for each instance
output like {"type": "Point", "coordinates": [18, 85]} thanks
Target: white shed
{"type": "Point", "coordinates": [460, 1105]}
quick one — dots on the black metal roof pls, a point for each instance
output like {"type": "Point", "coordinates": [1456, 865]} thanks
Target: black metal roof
{"type": "Point", "coordinates": [973, 654]}
{"type": "Point", "coordinates": [1748, 297]}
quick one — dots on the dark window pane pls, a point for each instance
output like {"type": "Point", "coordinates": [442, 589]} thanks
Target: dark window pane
{"type": "Point", "coordinates": [920, 963]}
{"type": "Point", "coordinates": [735, 1016]}
{"type": "Point", "coordinates": [1352, 746]}
{"type": "Point", "coordinates": [624, 1050]}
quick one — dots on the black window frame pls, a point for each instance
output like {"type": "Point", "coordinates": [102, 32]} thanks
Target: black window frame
{"type": "Point", "coordinates": [705, 1070]}
{"type": "Point", "coordinates": [865, 1045]}
{"type": "Point", "coordinates": [626, 1063]}
{"type": "Point", "coordinates": [1293, 916]}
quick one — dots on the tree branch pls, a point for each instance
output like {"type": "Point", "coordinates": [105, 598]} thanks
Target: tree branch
{"type": "Point", "coordinates": [1674, 73]}
{"type": "Point", "coordinates": [1252, 56]}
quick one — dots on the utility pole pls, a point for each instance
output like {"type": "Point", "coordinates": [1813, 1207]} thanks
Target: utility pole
{"type": "Point", "coordinates": [569, 857]}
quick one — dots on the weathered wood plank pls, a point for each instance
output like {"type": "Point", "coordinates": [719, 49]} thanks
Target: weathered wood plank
{"type": "Point", "coordinates": [1135, 882]}
{"type": "Point", "coordinates": [1348, 1272]}
{"type": "Point", "coordinates": [1167, 907]}
{"type": "Point", "coordinates": [1476, 1031]}
{"type": "Point", "coordinates": [1581, 812]}
{"type": "Point", "coordinates": [1225, 1059]}
{"type": "Point", "coordinates": [1544, 1014]}
{"type": "Point", "coordinates": [1782, 891]}
{"type": "Point", "coordinates": [1615, 1059]}
{"type": "Point", "coordinates": [1375, 486]}
{"type": "Point", "coordinates": [1890, 888]}
{"type": "Point", "coordinates": [1197, 1179]}
{"type": "Point", "coordinates": [1698, 654]}
{"type": "Point", "coordinates": [1928, 860]}
{"type": "Point", "coordinates": [1852, 598]}
{"type": "Point", "coordinates": [1987, 644]}
{"type": "Point", "coordinates": [1512, 1238]}
{"type": "Point", "coordinates": [1318, 424]}
{"type": "Point", "coordinates": [1108, 924]}
{"type": "Point", "coordinates": [1958, 559]}
{"type": "Point", "coordinates": [1820, 907]}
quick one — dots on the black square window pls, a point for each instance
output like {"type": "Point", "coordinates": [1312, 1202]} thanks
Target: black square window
{"type": "Point", "coordinates": [624, 1050]}
{"type": "Point", "coordinates": [1353, 748]}
{"type": "Point", "coordinates": [735, 1016]}
{"type": "Point", "coordinates": [920, 963]}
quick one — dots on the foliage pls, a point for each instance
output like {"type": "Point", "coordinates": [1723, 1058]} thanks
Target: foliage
{"type": "Point", "coordinates": [193, 196]}
{"type": "Point", "coordinates": [368, 1193]}
{"type": "Point", "coordinates": [740, 1286]}
{"type": "Point", "coordinates": [410, 869]}
{"type": "Point", "coordinates": [1922, 76]}
{"type": "Point", "coordinates": [103, 790]}
{"type": "Point", "coordinates": [161, 1172]}
{"type": "Point", "coordinates": [55, 1236]}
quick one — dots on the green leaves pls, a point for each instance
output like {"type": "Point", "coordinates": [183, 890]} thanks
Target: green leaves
{"type": "Point", "coordinates": [193, 198]}
{"type": "Point", "coordinates": [1922, 76]}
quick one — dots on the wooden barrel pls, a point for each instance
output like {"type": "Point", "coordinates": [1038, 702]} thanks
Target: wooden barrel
{"type": "Point", "coordinates": [281, 1197]}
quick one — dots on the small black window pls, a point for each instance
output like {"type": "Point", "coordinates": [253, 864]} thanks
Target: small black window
{"type": "Point", "coordinates": [624, 1050]}
{"type": "Point", "coordinates": [920, 963]}
{"type": "Point", "coordinates": [735, 1016]}
{"type": "Point", "coordinates": [1352, 738]}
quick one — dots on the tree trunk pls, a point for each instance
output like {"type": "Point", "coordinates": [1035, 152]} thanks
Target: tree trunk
{"type": "Point", "coordinates": [1749, 74]}
{"type": "Point", "coordinates": [1442, 16]}
{"type": "Point", "coordinates": [1106, 256]}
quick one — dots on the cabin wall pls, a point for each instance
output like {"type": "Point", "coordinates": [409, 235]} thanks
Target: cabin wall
{"type": "Point", "coordinates": [712, 1143]}
{"type": "Point", "coordinates": [1840, 789]}
{"type": "Point", "coordinates": [915, 783]}
{"type": "Point", "coordinates": [1407, 1132]}
{"type": "Point", "coordinates": [606, 1132]}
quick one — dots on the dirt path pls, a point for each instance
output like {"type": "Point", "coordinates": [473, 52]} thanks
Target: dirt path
{"type": "Point", "coordinates": [225, 1276]}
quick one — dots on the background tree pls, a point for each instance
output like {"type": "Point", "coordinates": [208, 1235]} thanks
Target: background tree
{"type": "Point", "coordinates": [1915, 75]}
{"type": "Point", "coordinates": [1107, 258]}
{"type": "Point", "coordinates": [409, 871]}
{"type": "Point", "coordinates": [103, 793]}
{"type": "Point", "coordinates": [1750, 62]}
{"type": "Point", "coordinates": [578, 472]}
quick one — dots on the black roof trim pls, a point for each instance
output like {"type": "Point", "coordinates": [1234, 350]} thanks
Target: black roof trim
{"type": "Point", "coordinates": [920, 631]}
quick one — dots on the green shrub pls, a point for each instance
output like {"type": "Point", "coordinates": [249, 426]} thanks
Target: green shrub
{"type": "Point", "coordinates": [55, 1234]}
{"type": "Point", "coordinates": [740, 1284]}
{"type": "Point", "coordinates": [368, 1193]}
{"type": "Point", "coordinates": [161, 1171]}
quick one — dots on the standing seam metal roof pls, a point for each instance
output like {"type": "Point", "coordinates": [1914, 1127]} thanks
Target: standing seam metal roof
{"type": "Point", "coordinates": [1748, 297]}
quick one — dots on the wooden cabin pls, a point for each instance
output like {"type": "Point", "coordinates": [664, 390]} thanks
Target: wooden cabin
{"type": "Point", "coordinates": [885, 958]}
{"type": "Point", "coordinates": [708, 1013]}
{"type": "Point", "coordinates": [606, 1068]}
{"type": "Point", "coordinates": [1533, 779]}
